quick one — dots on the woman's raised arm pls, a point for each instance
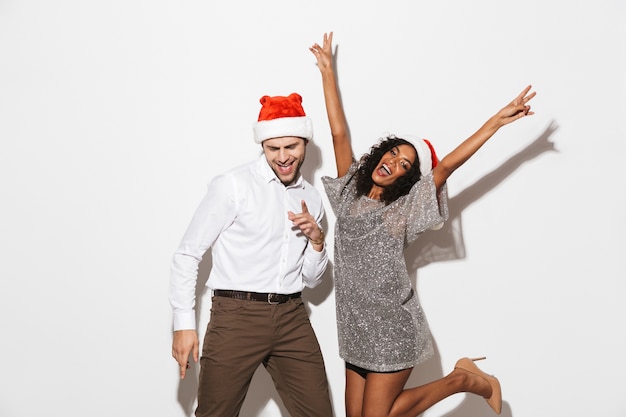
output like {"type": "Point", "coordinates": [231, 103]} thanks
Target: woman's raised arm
{"type": "Point", "coordinates": [515, 110]}
{"type": "Point", "coordinates": [334, 109]}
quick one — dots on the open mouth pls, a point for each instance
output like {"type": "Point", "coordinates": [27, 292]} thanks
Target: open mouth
{"type": "Point", "coordinates": [384, 170]}
{"type": "Point", "coordinates": [284, 169]}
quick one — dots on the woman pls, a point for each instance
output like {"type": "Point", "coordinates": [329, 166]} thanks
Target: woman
{"type": "Point", "coordinates": [383, 203]}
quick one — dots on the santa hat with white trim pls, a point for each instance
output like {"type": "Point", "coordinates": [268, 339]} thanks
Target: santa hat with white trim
{"type": "Point", "coordinates": [427, 159]}
{"type": "Point", "coordinates": [427, 156]}
{"type": "Point", "coordinates": [425, 153]}
{"type": "Point", "coordinates": [282, 116]}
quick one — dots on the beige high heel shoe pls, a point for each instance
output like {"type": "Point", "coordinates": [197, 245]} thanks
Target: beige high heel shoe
{"type": "Point", "coordinates": [495, 400]}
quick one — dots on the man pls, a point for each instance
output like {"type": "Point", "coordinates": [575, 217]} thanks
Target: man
{"type": "Point", "coordinates": [262, 223]}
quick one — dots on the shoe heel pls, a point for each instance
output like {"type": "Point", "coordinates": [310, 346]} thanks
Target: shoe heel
{"type": "Point", "coordinates": [495, 400]}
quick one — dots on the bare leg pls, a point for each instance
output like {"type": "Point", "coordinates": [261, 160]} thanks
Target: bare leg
{"type": "Point", "coordinates": [355, 389]}
{"type": "Point", "coordinates": [384, 396]}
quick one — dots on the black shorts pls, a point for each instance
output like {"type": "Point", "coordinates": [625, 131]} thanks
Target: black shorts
{"type": "Point", "coordinates": [363, 372]}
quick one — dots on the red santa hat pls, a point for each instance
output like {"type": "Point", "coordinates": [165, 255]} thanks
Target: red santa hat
{"type": "Point", "coordinates": [282, 116]}
{"type": "Point", "coordinates": [426, 155]}
{"type": "Point", "coordinates": [427, 159]}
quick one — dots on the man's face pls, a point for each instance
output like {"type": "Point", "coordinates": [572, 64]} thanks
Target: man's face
{"type": "Point", "coordinates": [285, 156]}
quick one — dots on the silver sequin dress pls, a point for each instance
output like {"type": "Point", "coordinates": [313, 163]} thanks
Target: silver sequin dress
{"type": "Point", "coordinates": [380, 323]}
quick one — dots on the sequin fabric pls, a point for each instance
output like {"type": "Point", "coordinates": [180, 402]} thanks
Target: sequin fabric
{"type": "Point", "coordinates": [380, 323]}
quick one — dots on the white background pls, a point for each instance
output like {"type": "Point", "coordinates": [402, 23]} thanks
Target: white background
{"type": "Point", "coordinates": [114, 115]}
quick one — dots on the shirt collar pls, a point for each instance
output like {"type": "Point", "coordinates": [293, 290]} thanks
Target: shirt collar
{"type": "Point", "coordinates": [268, 175]}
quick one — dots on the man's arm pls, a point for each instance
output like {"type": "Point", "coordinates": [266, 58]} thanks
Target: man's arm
{"type": "Point", "coordinates": [214, 212]}
{"type": "Point", "coordinates": [315, 255]}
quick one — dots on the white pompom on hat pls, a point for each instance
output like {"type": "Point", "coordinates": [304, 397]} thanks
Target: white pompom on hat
{"type": "Point", "coordinates": [282, 116]}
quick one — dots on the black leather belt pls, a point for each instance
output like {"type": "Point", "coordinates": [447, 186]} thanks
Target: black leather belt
{"type": "Point", "coordinates": [269, 297]}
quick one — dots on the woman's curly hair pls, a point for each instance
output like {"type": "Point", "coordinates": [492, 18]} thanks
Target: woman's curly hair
{"type": "Point", "coordinates": [368, 164]}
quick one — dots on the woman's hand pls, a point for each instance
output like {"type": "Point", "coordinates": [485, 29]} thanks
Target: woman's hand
{"type": "Point", "coordinates": [516, 109]}
{"type": "Point", "coordinates": [324, 53]}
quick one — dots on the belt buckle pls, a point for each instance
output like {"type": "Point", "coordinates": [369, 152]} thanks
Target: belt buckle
{"type": "Point", "coordinates": [269, 299]}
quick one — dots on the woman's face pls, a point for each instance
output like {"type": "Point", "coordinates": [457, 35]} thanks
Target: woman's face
{"type": "Point", "coordinates": [395, 163]}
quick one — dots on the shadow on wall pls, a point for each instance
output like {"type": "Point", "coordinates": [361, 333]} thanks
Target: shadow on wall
{"type": "Point", "coordinates": [447, 244]}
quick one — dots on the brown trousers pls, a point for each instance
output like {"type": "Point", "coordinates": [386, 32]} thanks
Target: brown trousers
{"type": "Point", "coordinates": [241, 335]}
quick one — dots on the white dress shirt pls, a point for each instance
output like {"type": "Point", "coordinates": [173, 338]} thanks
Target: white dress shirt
{"type": "Point", "coordinates": [254, 246]}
